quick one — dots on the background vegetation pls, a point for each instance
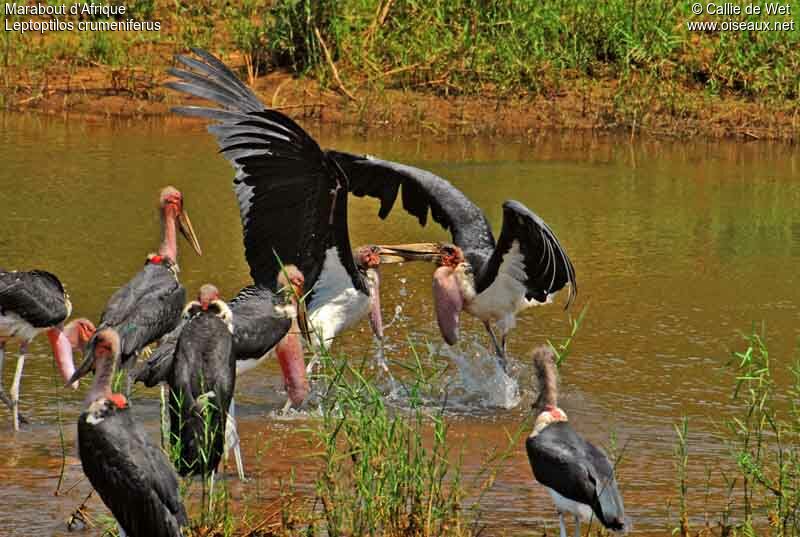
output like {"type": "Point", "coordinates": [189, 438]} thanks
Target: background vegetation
{"type": "Point", "coordinates": [638, 54]}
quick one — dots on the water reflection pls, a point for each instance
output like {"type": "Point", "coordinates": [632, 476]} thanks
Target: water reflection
{"type": "Point", "coordinates": [677, 246]}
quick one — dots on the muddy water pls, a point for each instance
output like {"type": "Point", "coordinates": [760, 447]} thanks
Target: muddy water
{"type": "Point", "coordinates": [677, 247]}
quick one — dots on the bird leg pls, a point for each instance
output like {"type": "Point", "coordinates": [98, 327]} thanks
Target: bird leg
{"type": "Point", "coordinates": [500, 351]}
{"type": "Point", "coordinates": [562, 524]}
{"type": "Point", "coordinates": [577, 526]}
{"type": "Point", "coordinates": [3, 395]}
{"type": "Point", "coordinates": [165, 425]}
{"type": "Point", "coordinates": [232, 440]}
{"type": "Point", "coordinates": [23, 350]}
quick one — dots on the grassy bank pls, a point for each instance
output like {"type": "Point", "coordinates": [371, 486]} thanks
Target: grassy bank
{"type": "Point", "coordinates": [444, 66]}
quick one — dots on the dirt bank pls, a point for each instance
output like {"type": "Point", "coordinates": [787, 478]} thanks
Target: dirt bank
{"type": "Point", "coordinates": [582, 104]}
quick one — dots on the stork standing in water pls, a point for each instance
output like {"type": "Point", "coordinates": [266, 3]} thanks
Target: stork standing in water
{"type": "Point", "coordinates": [31, 303]}
{"type": "Point", "coordinates": [201, 380]}
{"type": "Point", "coordinates": [292, 200]}
{"type": "Point", "coordinates": [133, 476]}
{"type": "Point", "coordinates": [491, 280]}
{"type": "Point", "coordinates": [150, 304]}
{"type": "Point", "coordinates": [578, 476]}
{"type": "Point", "coordinates": [263, 323]}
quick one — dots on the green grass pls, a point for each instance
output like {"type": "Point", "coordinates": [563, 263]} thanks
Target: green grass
{"type": "Point", "coordinates": [760, 463]}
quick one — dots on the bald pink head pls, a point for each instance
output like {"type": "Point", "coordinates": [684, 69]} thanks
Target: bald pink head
{"type": "Point", "coordinates": [171, 196]}
{"type": "Point", "coordinates": [368, 256]}
{"type": "Point", "coordinates": [208, 294]}
{"type": "Point", "coordinates": [79, 332]}
{"type": "Point", "coordinates": [292, 275]}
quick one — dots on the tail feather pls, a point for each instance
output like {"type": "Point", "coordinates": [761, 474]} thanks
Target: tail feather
{"type": "Point", "coordinates": [611, 507]}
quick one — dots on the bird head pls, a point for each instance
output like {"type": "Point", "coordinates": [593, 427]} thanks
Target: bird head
{"type": "Point", "coordinates": [208, 294]}
{"type": "Point", "coordinates": [171, 203]}
{"type": "Point", "coordinates": [79, 332]}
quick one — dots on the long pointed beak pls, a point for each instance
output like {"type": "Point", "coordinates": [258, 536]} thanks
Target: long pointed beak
{"type": "Point", "coordinates": [423, 251]}
{"type": "Point", "coordinates": [83, 370]}
{"type": "Point", "coordinates": [185, 226]}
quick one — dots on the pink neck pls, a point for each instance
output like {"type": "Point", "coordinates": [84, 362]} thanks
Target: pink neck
{"type": "Point", "coordinates": [101, 387]}
{"type": "Point", "coordinates": [169, 237]}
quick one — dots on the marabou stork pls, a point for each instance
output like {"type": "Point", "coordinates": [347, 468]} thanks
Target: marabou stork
{"type": "Point", "coordinates": [133, 477]}
{"type": "Point", "coordinates": [201, 381]}
{"type": "Point", "coordinates": [30, 303]}
{"type": "Point", "coordinates": [578, 476]}
{"type": "Point", "coordinates": [150, 304]}
{"type": "Point", "coordinates": [491, 280]}
{"type": "Point", "coordinates": [263, 322]}
{"type": "Point", "coordinates": [292, 200]}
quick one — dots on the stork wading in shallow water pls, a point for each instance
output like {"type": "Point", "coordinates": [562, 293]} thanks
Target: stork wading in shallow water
{"type": "Point", "coordinates": [31, 303]}
{"type": "Point", "coordinates": [150, 305]}
{"type": "Point", "coordinates": [263, 323]}
{"type": "Point", "coordinates": [491, 280]}
{"type": "Point", "coordinates": [132, 476]}
{"type": "Point", "coordinates": [578, 476]}
{"type": "Point", "coordinates": [201, 380]}
{"type": "Point", "coordinates": [292, 200]}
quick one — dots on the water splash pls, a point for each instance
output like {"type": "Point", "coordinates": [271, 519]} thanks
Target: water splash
{"type": "Point", "coordinates": [481, 380]}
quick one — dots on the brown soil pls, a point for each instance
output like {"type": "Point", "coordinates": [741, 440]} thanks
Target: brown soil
{"type": "Point", "coordinates": [596, 105]}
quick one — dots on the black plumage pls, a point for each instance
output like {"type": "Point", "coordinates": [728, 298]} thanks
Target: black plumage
{"type": "Point", "coordinates": [562, 460]}
{"type": "Point", "coordinates": [547, 266]}
{"type": "Point", "coordinates": [578, 475]}
{"type": "Point", "coordinates": [260, 321]}
{"type": "Point", "coordinates": [258, 324]}
{"type": "Point", "coordinates": [201, 381]}
{"type": "Point", "coordinates": [282, 176]}
{"type": "Point", "coordinates": [146, 308]}
{"type": "Point", "coordinates": [37, 297]}
{"type": "Point", "coordinates": [132, 476]}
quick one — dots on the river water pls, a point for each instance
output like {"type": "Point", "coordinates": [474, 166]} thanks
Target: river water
{"type": "Point", "coordinates": [678, 247]}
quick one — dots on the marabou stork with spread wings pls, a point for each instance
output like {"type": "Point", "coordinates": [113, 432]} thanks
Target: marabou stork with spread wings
{"type": "Point", "coordinates": [133, 477]}
{"type": "Point", "coordinates": [30, 303]}
{"type": "Point", "coordinates": [292, 200]}
{"type": "Point", "coordinates": [150, 305]}
{"type": "Point", "coordinates": [578, 476]}
{"type": "Point", "coordinates": [492, 280]}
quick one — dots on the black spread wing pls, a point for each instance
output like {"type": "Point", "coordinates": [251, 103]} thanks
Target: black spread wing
{"type": "Point", "coordinates": [145, 309]}
{"type": "Point", "coordinates": [132, 476]}
{"type": "Point", "coordinates": [292, 198]}
{"type": "Point", "coordinates": [36, 296]}
{"type": "Point", "coordinates": [422, 192]}
{"type": "Point", "coordinates": [547, 266]}
{"type": "Point", "coordinates": [257, 325]}
{"type": "Point", "coordinates": [565, 462]}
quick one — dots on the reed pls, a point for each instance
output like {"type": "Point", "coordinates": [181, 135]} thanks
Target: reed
{"type": "Point", "coordinates": [761, 474]}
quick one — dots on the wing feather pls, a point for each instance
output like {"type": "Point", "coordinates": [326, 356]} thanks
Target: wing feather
{"type": "Point", "coordinates": [37, 296]}
{"type": "Point", "coordinates": [548, 269]}
{"type": "Point", "coordinates": [292, 198]}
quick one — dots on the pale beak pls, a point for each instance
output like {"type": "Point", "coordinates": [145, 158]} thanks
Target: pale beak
{"type": "Point", "coordinates": [398, 253]}
{"type": "Point", "coordinates": [83, 370]}
{"type": "Point", "coordinates": [185, 226]}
